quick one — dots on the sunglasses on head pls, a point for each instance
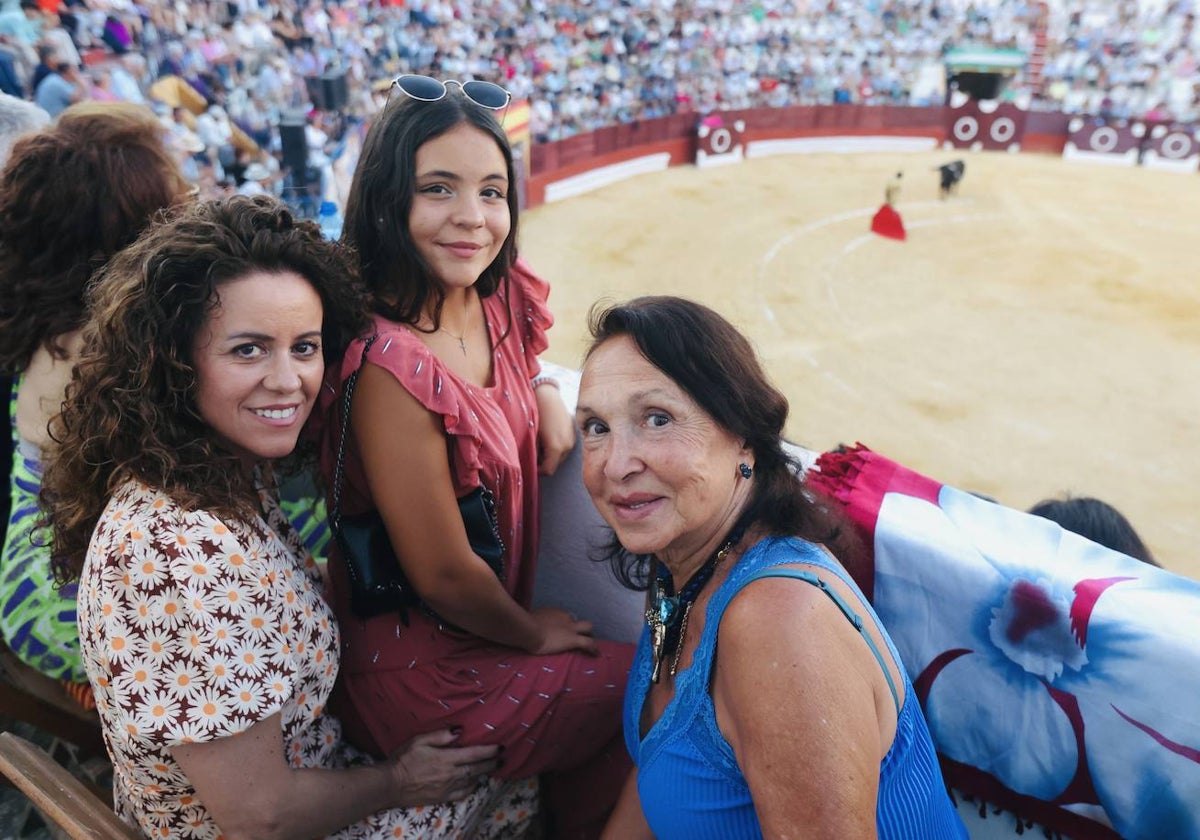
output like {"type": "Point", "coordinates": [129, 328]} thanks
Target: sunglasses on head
{"type": "Point", "coordinates": [428, 89]}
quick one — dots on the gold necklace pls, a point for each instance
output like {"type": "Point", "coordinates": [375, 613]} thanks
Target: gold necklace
{"type": "Point", "coordinates": [461, 339]}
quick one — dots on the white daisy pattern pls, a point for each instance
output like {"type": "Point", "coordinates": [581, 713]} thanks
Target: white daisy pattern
{"type": "Point", "coordinates": [194, 629]}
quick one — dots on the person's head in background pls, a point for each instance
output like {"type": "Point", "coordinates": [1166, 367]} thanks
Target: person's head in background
{"type": "Point", "coordinates": [70, 198]}
{"type": "Point", "coordinates": [1097, 521]}
{"type": "Point", "coordinates": [45, 54]}
{"type": "Point", "coordinates": [18, 117]}
{"type": "Point", "coordinates": [394, 263]}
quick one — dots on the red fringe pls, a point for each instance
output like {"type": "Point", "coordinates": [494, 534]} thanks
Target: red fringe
{"type": "Point", "coordinates": [835, 471]}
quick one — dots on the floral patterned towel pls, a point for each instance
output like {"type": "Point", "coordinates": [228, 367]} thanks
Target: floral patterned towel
{"type": "Point", "coordinates": [1059, 678]}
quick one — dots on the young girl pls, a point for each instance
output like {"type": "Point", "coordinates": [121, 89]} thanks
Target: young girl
{"type": "Point", "coordinates": [450, 399]}
{"type": "Point", "coordinates": [209, 647]}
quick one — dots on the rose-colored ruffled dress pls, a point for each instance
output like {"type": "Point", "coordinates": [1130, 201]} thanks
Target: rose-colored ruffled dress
{"type": "Point", "coordinates": [552, 713]}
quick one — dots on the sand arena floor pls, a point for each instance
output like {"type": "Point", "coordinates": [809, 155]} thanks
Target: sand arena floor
{"type": "Point", "coordinates": [1038, 333]}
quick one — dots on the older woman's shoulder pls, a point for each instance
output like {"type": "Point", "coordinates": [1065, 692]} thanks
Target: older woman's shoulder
{"type": "Point", "coordinates": [785, 583]}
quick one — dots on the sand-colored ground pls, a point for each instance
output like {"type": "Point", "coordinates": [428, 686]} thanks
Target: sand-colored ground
{"type": "Point", "coordinates": [1038, 333]}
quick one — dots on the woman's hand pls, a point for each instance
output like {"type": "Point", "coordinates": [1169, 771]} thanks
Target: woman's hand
{"type": "Point", "coordinates": [560, 631]}
{"type": "Point", "coordinates": [428, 770]}
{"type": "Point", "coordinates": [556, 429]}
{"type": "Point", "coordinates": [253, 793]}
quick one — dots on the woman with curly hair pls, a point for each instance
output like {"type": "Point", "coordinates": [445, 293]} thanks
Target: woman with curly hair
{"type": "Point", "coordinates": [200, 613]}
{"type": "Point", "coordinates": [70, 197]}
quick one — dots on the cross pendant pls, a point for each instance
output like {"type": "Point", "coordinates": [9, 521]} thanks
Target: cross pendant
{"type": "Point", "coordinates": [658, 637]}
{"type": "Point", "coordinates": [462, 345]}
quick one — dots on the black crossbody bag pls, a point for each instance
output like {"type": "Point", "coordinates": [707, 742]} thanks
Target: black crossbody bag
{"type": "Point", "coordinates": [377, 581]}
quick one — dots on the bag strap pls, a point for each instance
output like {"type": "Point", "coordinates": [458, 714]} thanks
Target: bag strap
{"type": "Point", "coordinates": [339, 465]}
{"type": "Point", "coordinates": [851, 615]}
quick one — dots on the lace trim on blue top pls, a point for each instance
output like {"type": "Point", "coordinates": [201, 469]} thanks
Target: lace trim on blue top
{"type": "Point", "coordinates": [692, 697]}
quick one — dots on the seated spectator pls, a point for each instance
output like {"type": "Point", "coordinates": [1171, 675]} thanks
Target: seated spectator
{"type": "Point", "coordinates": [1097, 521]}
{"type": "Point", "coordinates": [10, 76]}
{"type": "Point", "coordinates": [22, 22]}
{"type": "Point", "coordinates": [70, 198]}
{"type": "Point", "coordinates": [204, 353]}
{"type": "Point", "coordinates": [214, 129]}
{"type": "Point", "coordinates": [59, 38]}
{"type": "Point", "coordinates": [784, 702]}
{"type": "Point", "coordinates": [45, 66]}
{"type": "Point", "coordinates": [60, 89]}
{"type": "Point", "coordinates": [125, 78]}
{"type": "Point", "coordinates": [116, 35]}
{"type": "Point", "coordinates": [100, 86]}
{"type": "Point", "coordinates": [256, 180]}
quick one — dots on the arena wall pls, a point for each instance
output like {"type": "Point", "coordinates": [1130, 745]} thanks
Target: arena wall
{"type": "Point", "coordinates": [574, 165]}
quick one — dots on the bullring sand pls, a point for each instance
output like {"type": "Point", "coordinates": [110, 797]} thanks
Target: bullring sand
{"type": "Point", "coordinates": [1038, 333]}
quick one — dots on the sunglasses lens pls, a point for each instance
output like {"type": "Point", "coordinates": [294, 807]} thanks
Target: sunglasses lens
{"type": "Point", "coordinates": [422, 87]}
{"type": "Point", "coordinates": [486, 94]}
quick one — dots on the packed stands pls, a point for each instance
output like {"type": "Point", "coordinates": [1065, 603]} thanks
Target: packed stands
{"type": "Point", "coordinates": [249, 66]}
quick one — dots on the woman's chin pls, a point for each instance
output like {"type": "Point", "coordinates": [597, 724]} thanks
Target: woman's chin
{"type": "Point", "coordinates": [638, 543]}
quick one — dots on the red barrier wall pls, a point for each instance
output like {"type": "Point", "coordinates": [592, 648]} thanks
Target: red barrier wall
{"type": "Point", "coordinates": [1045, 132]}
{"type": "Point", "coordinates": [676, 135]}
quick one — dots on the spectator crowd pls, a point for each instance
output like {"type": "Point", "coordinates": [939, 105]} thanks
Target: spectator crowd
{"type": "Point", "coordinates": [581, 64]}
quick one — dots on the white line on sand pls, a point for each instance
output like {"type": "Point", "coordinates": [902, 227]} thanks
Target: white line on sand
{"type": "Point", "coordinates": [788, 238]}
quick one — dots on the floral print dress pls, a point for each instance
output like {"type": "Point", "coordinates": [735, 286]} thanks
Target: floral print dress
{"type": "Point", "coordinates": [194, 628]}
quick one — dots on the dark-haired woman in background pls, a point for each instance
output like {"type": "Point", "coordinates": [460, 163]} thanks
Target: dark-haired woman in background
{"type": "Point", "coordinates": [766, 699]}
{"type": "Point", "coordinates": [1097, 521]}
{"type": "Point", "coordinates": [70, 197]}
{"type": "Point", "coordinates": [203, 629]}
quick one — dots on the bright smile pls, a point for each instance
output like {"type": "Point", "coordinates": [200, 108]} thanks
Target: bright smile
{"type": "Point", "coordinates": [277, 416]}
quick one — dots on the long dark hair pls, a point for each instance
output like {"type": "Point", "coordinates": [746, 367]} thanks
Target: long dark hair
{"type": "Point", "coordinates": [715, 365]}
{"type": "Point", "coordinates": [130, 409]}
{"type": "Point", "coordinates": [400, 282]}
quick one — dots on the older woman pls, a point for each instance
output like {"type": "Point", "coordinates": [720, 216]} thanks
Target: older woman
{"type": "Point", "coordinates": [765, 699]}
{"type": "Point", "coordinates": [210, 649]}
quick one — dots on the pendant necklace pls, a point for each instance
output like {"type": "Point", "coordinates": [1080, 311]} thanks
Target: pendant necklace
{"type": "Point", "coordinates": [667, 613]}
{"type": "Point", "coordinates": [461, 339]}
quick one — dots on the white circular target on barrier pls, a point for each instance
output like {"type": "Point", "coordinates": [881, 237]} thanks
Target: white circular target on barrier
{"type": "Point", "coordinates": [1177, 145]}
{"type": "Point", "coordinates": [1003, 129]}
{"type": "Point", "coordinates": [1103, 139]}
{"type": "Point", "coordinates": [721, 141]}
{"type": "Point", "coordinates": [965, 129]}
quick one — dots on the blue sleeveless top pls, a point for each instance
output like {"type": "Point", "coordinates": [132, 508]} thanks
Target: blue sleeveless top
{"type": "Point", "coordinates": [689, 781]}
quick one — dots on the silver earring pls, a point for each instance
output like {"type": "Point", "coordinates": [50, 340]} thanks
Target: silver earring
{"type": "Point", "coordinates": [746, 470]}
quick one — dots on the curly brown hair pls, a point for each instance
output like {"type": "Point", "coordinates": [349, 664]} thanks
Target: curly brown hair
{"type": "Point", "coordinates": [70, 198]}
{"type": "Point", "coordinates": [130, 410]}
